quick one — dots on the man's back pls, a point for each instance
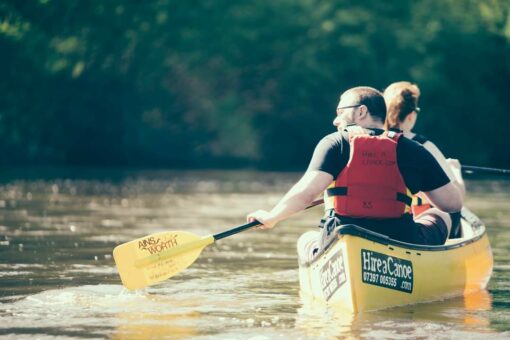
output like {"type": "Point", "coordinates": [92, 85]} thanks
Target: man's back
{"type": "Point", "coordinates": [419, 169]}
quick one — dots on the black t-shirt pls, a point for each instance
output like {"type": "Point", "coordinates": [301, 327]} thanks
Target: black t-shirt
{"type": "Point", "coordinates": [419, 169]}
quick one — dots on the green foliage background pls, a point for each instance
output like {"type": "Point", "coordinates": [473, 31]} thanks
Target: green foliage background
{"type": "Point", "coordinates": [241, 83]}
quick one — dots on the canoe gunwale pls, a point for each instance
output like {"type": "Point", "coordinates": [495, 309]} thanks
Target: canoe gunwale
{"type": "Point", "coordinates": [354, 230]}
{"type": "Point", "coordinates": [351, 229]}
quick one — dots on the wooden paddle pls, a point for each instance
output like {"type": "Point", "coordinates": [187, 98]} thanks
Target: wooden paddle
{"type": "Point", "coordinates": [469, 169]}
{"type": "Point", "coordinates": [157, 257]}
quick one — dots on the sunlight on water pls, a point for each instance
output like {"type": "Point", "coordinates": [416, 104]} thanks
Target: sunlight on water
{"type": "Point", "coordinates": [58, 278]}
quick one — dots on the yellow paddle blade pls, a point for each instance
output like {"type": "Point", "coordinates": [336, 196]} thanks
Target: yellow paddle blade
{"type": "Point", "coordinates": [157, 257]}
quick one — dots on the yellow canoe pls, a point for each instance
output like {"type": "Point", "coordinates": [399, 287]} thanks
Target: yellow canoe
{"type": "Point", "coordinates": [362, 270]}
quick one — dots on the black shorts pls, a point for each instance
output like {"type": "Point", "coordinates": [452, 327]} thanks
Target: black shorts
{"type": "Point", "coordinates": [430, 230]}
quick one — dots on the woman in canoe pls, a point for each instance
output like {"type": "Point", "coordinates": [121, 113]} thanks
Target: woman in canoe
{"type": "Point", "coordinates": [354, 166]}
{"type": "Point", "coordinates": [402, 112]}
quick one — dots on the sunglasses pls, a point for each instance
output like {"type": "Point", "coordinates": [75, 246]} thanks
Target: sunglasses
{"type": "Point", "coordinates": [339, 109]}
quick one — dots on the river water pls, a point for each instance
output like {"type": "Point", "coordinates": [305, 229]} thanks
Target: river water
{"type": "Point", "coordinates": [58, 278]}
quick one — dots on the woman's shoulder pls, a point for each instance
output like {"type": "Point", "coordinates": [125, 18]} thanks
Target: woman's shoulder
{"type": "Point", "coordinates": [420, 138]}
{"type": "Point", "coordinates": [424, 141]}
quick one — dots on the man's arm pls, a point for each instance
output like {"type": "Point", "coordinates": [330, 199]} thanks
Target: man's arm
{"type": "Point", "coordinates": [311, 185]}
{"type": "Point", "coordinates": [446, 198]}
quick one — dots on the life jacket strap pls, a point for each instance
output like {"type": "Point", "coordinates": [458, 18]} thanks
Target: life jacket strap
{"type": "Point", "coordinates": [419, 201]}
{"type": "Point", "coordinates": [337, 191]}
{"type": "Point", "coordinates": [404, 198]}
{"type": "Point", "coordinates": [343, 191]}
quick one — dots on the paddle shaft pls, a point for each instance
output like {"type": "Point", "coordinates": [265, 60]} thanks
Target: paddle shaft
{"type": "Point", "coordinates": [479, 169]}
{"type": "Point", "coordinates": [246, 226]}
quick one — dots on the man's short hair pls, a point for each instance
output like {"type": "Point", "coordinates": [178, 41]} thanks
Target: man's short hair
{"type": "Point", "coordinates": [372, 99]}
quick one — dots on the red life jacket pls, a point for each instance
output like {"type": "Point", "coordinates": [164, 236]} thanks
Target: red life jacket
{"type": "Point", "coordinates": [370, 185]}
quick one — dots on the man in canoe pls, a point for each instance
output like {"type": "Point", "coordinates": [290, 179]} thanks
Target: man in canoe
{"type": "Point", "coordinates": [368, 176]}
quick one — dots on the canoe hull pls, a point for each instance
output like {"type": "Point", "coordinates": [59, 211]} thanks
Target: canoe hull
{"type": "Point", "coordinates": [359, 274]}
